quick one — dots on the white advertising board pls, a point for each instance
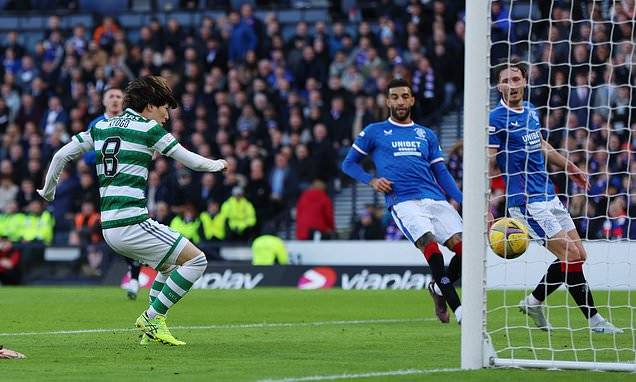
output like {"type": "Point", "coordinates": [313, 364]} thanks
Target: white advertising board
{"type": "Point", "coordinates": [610, 265]}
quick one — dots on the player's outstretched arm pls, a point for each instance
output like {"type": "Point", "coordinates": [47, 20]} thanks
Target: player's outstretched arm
{"type": "Point", "coordinates": [195, 161]}
{"type": "Point", "coordinates": [446, 181]}
{"type": "Point", "coordinates": [78, 145]}
{"type": "Point", "coordinates": [351, 166]}
{"type": "Point", "coordinates": [554, 157]}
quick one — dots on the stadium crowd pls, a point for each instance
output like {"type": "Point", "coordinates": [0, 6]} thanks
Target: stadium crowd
{"type": "Point", "coordinates": [282, 111]}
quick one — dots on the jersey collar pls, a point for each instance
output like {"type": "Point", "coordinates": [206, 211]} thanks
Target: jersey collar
{"type": "Point", "coordinates": [131, 111]}
{"type": "Point", "coordinates": [401, 124]}
{"type": "Point", "coordinates": [511, 109]}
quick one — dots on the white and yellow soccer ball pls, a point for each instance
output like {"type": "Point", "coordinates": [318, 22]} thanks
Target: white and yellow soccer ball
{"type": "Point", "coordinates": [508, 238]}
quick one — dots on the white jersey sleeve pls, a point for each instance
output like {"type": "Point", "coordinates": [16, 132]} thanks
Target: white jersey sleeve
{"type": "Point", "coordinates": [79, 144]}
{"type": "Point", "coordinates": [195, 161]}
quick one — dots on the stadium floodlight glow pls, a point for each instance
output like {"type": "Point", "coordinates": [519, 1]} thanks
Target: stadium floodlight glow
{"type": "Point", "coordinates": [494, 333]}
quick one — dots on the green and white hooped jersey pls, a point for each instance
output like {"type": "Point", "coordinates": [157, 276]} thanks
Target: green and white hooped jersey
{"type": "Point", "coordinates": [124, 146]}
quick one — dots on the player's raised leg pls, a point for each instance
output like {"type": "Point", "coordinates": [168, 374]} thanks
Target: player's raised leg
{"type": "Point", "coordinates": [191, 265]}
{"type": "Point", "coordinates": [454, 272]}
{"type": "Point", "coordinates": [429, 247]}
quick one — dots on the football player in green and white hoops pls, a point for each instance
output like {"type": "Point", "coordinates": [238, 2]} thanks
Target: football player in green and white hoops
{"type": "Point", "coordinates": [124, 146]}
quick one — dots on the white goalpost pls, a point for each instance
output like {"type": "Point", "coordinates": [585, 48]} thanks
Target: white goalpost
{"type": "Point", "coordinates": [563, 44]}
{"type": "Point", "coordinates": [474, 352]}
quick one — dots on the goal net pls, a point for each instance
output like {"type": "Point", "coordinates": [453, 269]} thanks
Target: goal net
{"type": "Point", "coordinates": [580, 56]}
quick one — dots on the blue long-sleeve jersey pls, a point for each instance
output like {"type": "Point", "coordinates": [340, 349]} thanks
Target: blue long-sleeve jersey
{"type": "Point", "coordinates": [517, 134]}
{"type": "Point", "coordinates": [408, 155]}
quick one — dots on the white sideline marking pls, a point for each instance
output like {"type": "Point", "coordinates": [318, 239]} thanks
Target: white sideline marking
{"type": "Point", "coordinates": [228, 326]}
{"type": "Point", "coordinates": [392, 373]}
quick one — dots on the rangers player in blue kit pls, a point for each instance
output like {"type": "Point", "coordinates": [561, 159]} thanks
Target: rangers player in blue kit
{"type": "Point", "coordinates": [517, 145]}
{"type": "Point", "coordinates": [411, 172]}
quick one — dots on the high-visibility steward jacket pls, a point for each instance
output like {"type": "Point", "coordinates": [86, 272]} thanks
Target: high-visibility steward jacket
{"type": "Point", "coordinates": [189, 229]}
{"type": "Point", "coordinates": [269, 250]}
{"type": "Point", "coordinates": [38, 227]}
{"type": "Point", "coordinates": [213, 226]}
{"type": "Point", "coordinates": [239, 213]}
{"type": "Point", "coordinates": [11, 225]}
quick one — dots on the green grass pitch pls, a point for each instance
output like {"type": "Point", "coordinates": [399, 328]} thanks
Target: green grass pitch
{"type": "Point", "coordinates": [279, 335]}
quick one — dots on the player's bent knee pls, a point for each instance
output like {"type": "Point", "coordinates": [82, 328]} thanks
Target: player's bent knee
{"type": "Point", "coordinates": [425, 240]}
{"type": "Point", "coordinates": [453, 241]}
{"type": "Point", "coordinates": [198, 263]}
{"type": "Point", "coordinates": [572, 254]}
{"type": "Point", "coordinates": [167, 268]}
{"type": "Point", "coordinates": [582, 252]}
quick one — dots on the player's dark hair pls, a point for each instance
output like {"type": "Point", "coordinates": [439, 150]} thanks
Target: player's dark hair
{"type": "Point", "coordinates": [148, 90]}
{"type": "Point", "coordinates": [398, 83]}
{"type": "Point", "coordinates": [507, 64]}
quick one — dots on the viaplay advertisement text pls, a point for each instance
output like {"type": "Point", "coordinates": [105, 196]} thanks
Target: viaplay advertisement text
{"type": "Point", "coordinates": [316, 277]}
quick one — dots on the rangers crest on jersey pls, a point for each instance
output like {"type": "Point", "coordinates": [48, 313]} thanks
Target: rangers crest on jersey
{"type": "Point", "coordinates": [534, 116]}
{"type": "Point", "coordinates": [421, 133]}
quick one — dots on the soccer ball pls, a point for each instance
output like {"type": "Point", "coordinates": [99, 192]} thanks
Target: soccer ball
{"type": "Point", "coordinates": [508, 238]}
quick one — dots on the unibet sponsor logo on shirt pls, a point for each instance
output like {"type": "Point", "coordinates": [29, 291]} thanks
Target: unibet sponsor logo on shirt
{"type": "Point", "coordinates": [402, 148]}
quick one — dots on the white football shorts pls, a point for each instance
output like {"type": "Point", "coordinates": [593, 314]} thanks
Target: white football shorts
{"type": "Point", "coordinates": [544, 219]}
{"type": "Point", "coordinates": [148, 242]}
{"type": "Point", "coordinates": [417, 217]}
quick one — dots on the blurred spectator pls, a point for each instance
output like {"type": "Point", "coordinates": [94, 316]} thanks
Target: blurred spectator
{"type": "Point", "coordinates": [87, 227]}
{"type": "Point", "coordinates": [339, 121]}
{"type": "Point", "coordinates": [54, 116]}
{"type": "Point", "coordinates": [10, 273]}
{"type": "Point", "coordinates": [186, 189]}
{"type": "Point", "coordinates": [428, 91]}
{"type": "Point", "coordinates": [616, 226]}
{"type": "Point", "coordinates": [212, 222]}
{"type": "Point", "coordinates": [26, 194]}
{"type": "Point", "coordinates": [104, 34]}
{"type": "Point", "coordinates": [187, 223]}
{"type": "Point", "coordinates": [8, 191]}
{"type": "Point", "coordinates": [11, 222]}
{"type": "Point", "coordinates": [243, 38]}
{"type": "Point", "coordinates": [38, 224]}
{"type": "Point", "coordinates": [314, 213]}
{"type": "Point", "coordinates": [284, 185]}
{"type": "Point", "coordinates": [240, 216]}
{"type": "Point", "coordinates": [305, 167]}
{"type": "Point", "coordinates": [455, 163]}
{"type": "Point", "coordinates": [393, 232]}
{"type": "Point", "coordinates": [367, 226]}
{"type": "Point", "coordinates": [258, 192]}
{"type": "Point", "coordinates": [269, 250]}
{"type": "Point", "coordinates": [5, 115]}
{"type": "Point", "coordinates": [88, 189]}
{"type": "Point", "coordinates": [65, 197]}
{"type": "Point", "coordinates": [162, 213]}
{"type": "Point", "coordinates": [87, 234]}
